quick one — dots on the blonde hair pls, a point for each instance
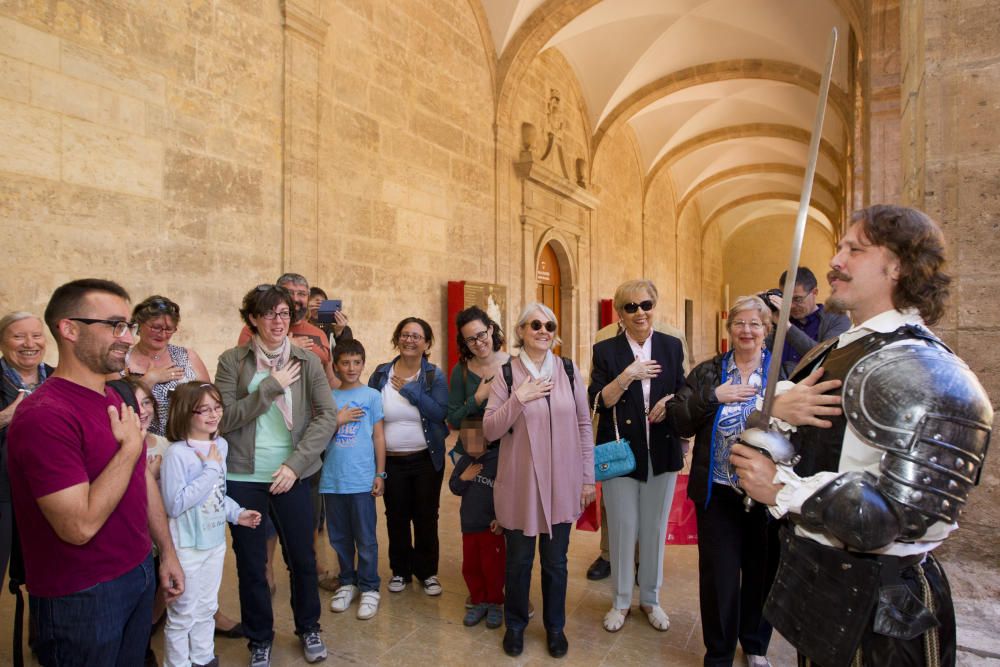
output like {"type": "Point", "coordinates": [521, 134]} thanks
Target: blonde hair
{"type": "Point", "coordinates": [751, 303]}
{"type": "Point", "coordinates": [527, 312]}
{"type": "Point", "coordinates": [630, 287]}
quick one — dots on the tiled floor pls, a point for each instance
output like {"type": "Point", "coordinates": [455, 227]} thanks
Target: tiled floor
{"type": "Point", "coordinates": [414, 629]}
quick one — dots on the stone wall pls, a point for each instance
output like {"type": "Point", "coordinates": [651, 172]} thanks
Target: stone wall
{"type": "Point", "coordinates": [142, 143]}
{"type": "Point", "coordinates": [618, 222]}
{"type": "Point", "coordinates": [951, 169]}
{"type": "Point", "coordinates": [753, 261]}
{"type": "Point", "coordinates": [406, 195]}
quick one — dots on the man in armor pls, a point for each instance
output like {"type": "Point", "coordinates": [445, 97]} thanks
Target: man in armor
{"type": "Point", "coordinates": [891, 429]}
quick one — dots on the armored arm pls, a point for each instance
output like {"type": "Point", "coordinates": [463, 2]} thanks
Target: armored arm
{"type": "Point", "coordinates": [927, 412]}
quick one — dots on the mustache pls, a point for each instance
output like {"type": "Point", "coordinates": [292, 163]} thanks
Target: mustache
{"type": "Point", "coordinates": [837, 275]}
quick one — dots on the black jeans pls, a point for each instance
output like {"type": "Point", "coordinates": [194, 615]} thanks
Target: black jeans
{"type": "Point", "coordinates": [737, 560]}
{"type": "Point", "coordinates": [412, 496]}
{"type": "Point", "coordinates": [520, 557]}
{"type": "Point", "coordinates": [292, 514]}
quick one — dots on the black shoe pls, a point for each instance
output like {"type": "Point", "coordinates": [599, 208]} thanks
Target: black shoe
{"type": "Point", "coordinates": [234, 632]}
{"type": "Point", "coordinates": [513, 642]}
{"type": "Point", "coordinates": [599, 569]}
{"type": "Point", "coordinates": [557, 643]}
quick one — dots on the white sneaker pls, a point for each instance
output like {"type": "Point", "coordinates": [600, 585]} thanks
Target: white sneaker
{"type": "Point", "coordinates": [432, 586]}
{"type": "Point", "coordinates": [343, 598]}
{"type": "Point", "coordinates": [758, 661]}
{"type": "Point", "coordinates": [369, 605]}
{"type": "Point", "coordinates": [396, 585]}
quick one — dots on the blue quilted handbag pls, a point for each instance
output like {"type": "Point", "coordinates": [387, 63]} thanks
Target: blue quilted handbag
{"type": "Point", "coordinates": [612, 459]}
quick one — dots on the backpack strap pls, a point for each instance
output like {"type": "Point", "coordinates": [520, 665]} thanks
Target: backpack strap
{"type": "Point", "coordinates": [125, 391]}
{"type": "Point", "coordinates": [429, 379]}
{"type": "Point", "coordinates": [568, 365]}
{"type": "Point", "coordinates": [508, 375]}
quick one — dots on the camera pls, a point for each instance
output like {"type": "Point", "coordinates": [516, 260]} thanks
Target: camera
{"type": "Point", "coordinates": [771, 292]}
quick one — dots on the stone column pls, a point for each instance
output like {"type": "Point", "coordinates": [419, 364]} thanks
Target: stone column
{"type": "Point", "coordinates": [304, 33]}
{"type": "Point", "coordinates": [951, 170]}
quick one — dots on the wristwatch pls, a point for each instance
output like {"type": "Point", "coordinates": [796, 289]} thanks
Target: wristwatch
{"type": "Point", "coordinates": [381, 474]}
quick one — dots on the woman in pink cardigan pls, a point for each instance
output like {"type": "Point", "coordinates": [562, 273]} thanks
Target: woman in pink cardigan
{"type": "Point", "coordinates": [545, 475]}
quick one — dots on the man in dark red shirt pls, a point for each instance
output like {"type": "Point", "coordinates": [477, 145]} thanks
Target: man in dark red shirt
{"type": "Point", "coordinates": [85, 504]}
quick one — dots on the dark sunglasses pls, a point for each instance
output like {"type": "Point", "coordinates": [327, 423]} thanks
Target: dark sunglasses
{"type": "Point", "coordinates": [550, 326]}
{"type": "Point", "coordinates": [631, 308]}
{"type": "Point", "coordinates": [161, 306]}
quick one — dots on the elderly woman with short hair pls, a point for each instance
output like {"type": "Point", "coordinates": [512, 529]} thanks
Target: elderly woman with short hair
{"type": "Point", "coordinates": [737, 548]}
{"type": "Point", "coordinates": [632, 377]}
{"type": "Point", "coordinates": [22, 342]}
{"type": "Point", "coordinates": [545, 475]}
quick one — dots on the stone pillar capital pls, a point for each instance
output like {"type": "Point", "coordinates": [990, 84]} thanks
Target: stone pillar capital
{"type": "Point", "coordinates": [299, 17]}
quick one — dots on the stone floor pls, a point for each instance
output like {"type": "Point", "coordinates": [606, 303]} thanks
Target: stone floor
{"type": "Point", "coordinates": [414, 629]}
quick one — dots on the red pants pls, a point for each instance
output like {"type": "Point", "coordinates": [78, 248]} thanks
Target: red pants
{"type": "Point", "coordinates": [483, 558]}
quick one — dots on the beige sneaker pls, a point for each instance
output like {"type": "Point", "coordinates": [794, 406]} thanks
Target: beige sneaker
{"type": "Point", "coordinates": [343, 598]}
{"type": "Point", "coordinates": [368, 606]}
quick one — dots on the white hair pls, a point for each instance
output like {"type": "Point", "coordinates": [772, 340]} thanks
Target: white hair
{"type": "Point", "coordinates": [527, 312]}
{"type": "Point", "coordinates": [16, 316]}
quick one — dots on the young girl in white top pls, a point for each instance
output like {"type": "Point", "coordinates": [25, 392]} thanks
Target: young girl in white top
{"type": "Point", "coordinates": [193, 483]}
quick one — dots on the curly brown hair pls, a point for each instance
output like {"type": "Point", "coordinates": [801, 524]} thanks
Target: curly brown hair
{"type": "Point", "coordinates": [919, 244]}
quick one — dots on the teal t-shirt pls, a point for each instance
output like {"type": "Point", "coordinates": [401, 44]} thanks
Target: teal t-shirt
{"type": "Point", "coordinates": [273, 442]}
{"type": "Point", "coordinates": [349, 464]}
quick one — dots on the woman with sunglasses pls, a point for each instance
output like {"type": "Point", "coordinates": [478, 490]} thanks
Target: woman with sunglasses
{"type": "Point", "coordinates": [158, 365]}
{"type": "Point", "coordinates": [545, 475]}
{"type": "Point", "coordinates": [632, 377]}
{"type": "Point", "coordinates": [415, 404]}
{"type": "Point", "coordinates": [279, 416]}
{"type": "Point", "coordinates": [478, 341]}
{"type": "Point", "coordinates": [737, 548]}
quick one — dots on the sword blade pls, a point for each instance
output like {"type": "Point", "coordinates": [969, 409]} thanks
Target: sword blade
{"type": "Point", "coordinates": [800, 230]}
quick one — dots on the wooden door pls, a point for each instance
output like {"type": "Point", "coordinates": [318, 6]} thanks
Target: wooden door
{"type": "Point", "coordinates": [549, 283]}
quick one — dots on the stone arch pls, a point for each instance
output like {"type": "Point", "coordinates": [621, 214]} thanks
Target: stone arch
{"type": "Point", "coordinates": [726, 70]}
{"type": "Point", "coordinates": [489, 48]}
{"type": "Point", "coordinates": [528, 42]}
{"type": "Point", "coordinates": [745, 131]}
{"type": "Point", "coordinates": [768, 196]}
{"type": "Point", "coordinates": [569, 270]}
{"type": "Point", "coordinates": [763, 168]}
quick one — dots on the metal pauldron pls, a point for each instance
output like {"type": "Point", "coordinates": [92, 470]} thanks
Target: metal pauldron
{"type": "Point", "coordinates": [928, 412]}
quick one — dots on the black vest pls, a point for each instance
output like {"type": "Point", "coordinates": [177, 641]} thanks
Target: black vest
{"type": "Point", "coordinates": [820, 447]}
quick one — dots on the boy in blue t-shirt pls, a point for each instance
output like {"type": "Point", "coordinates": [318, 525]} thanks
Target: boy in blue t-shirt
{"type": "Point", "coordinates": [353, 476]}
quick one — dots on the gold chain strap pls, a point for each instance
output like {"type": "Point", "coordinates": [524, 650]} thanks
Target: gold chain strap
{"type": "Point", "coordinates": [932, 648]}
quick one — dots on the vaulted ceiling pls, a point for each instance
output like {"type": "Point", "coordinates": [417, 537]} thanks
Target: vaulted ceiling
{"type": "Point", "coordinates": [720, 94]}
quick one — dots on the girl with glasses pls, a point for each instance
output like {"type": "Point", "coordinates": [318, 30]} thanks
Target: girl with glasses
{"type": "Point", "coordinates": [158, 365]}
{"type": "Point", "coordinates": [737, 549]}
{"type": "Point", "coordinates": [193, 484]}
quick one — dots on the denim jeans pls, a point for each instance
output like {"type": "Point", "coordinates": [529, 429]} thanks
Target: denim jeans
{"type": "Point", "coordinates": [292, 514]}
{"type": "Point", "coordinates": [412, 497]}
{"type": "Point", "coordinates": [552, 556]}
{"type": "Point", "coordinates": [350, 523]}
{"type": "Point", "coordinates": [106, 624]}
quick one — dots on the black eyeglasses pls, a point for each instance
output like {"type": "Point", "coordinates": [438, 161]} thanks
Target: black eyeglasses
{"type": "Point", "coordinates": [118, 327]}
{"type": "Point", "coordinates": [550, 326]}
{"type": "Point", "coordinates": [478, 338]}
{"type": "Point", "coordinates": [631, 307]}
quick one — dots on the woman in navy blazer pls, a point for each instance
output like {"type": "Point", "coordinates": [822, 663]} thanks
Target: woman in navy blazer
{"type": "Point", "coordinates": [634, 374]}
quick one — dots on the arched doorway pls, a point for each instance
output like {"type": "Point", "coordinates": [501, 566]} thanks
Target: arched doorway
{"type": "Point", "coordinates": [549, 280]}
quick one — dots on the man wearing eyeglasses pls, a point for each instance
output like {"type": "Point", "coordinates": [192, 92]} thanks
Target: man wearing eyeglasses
{"type": "Point", "coordinates": [810, 322]}
{"type": "Point", "coordinates": [85, 503]}
{"type": "Point", "coordinates": [302, 332]}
